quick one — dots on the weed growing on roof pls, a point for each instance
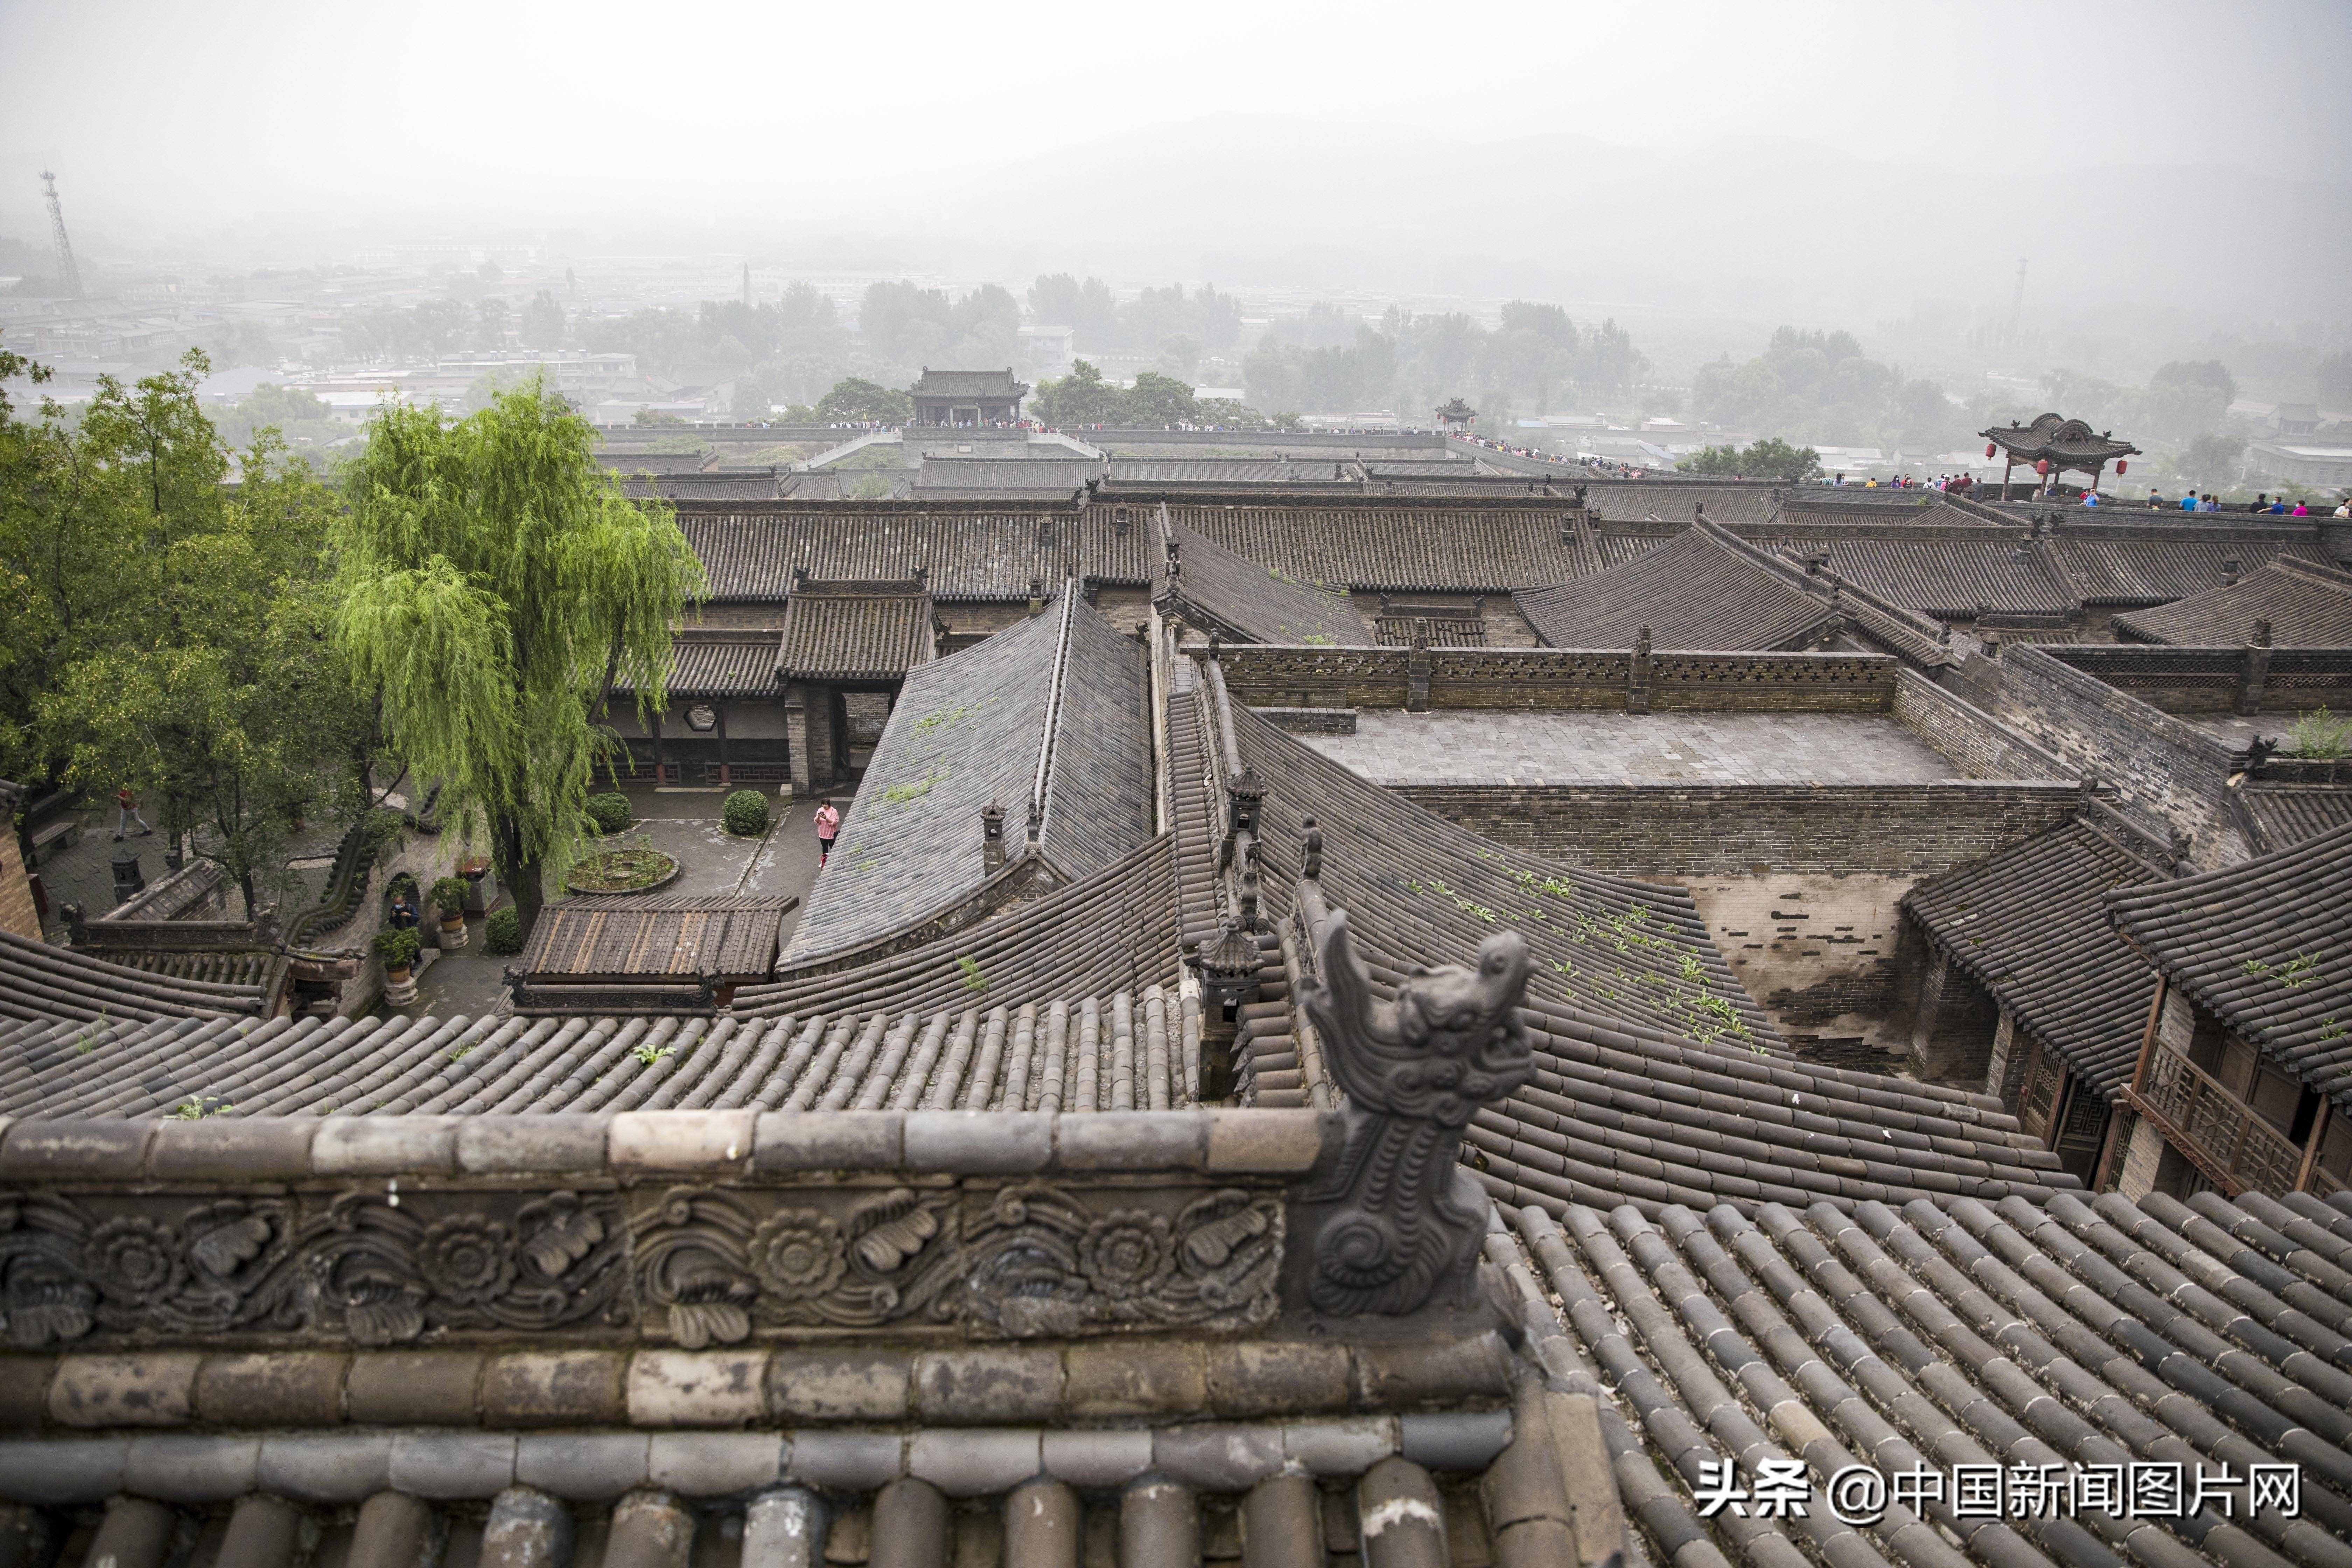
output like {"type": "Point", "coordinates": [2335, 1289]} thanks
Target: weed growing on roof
{"type": "Point", "coordinates": [937, 716]}
{"type": "Point", "coordinates": [2319, 735]}
{"type": "Point", "coordinates": [899, 795]}
{"type": "Point", "coordinates": [650, 1053]}
{"type": "Point", "coordinates": [2330, 1029]}
{"type": "Point", "coordinates": [2297, 972]}
{"type": "Point", "coordinates": [2256, 967]}
{"type": "Point", "coordinates": [974, 979]}
{"type": "Point", "coordinates": [457, 1053]}
{"type": "Point", "coordinates": [196, 1107]}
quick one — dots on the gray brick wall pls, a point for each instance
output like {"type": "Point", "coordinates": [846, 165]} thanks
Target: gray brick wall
{"type": "Point", "coordinates": [1653, 830]}
{"type": "Point", "coordinates": [2159, 771]}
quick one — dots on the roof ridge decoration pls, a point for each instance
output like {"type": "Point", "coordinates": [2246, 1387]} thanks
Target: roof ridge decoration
{"type": "Point", "coordinates": [1404, 1220]}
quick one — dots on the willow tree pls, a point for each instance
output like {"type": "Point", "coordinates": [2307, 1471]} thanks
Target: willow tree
{"type": "Point", "coordinates": [493, 581]}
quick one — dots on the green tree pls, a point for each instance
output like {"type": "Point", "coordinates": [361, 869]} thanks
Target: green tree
{"type": "Point", "coordinates": [1769, 458]}
{"type": "Point", "coordinates": [1157, 399]}
{"type": "Point", "coordinates": [1081, 397]}
{"type": "Point", "coordinates": [857, 402]}
{"type": "Point", "coordinates": [494, 582]}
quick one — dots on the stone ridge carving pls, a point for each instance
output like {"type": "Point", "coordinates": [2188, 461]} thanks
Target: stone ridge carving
{"type": "Point", "coordinates": [360, 1265]}
{"type": "Point", "coordinates": [1405, 1220]}
{"type": "Point", "coordinates": [697, 1265]}
{"type": "Point", "coordinates": [1041, 1261]}
{"type": "Point", "coordinates": [722, 1262]}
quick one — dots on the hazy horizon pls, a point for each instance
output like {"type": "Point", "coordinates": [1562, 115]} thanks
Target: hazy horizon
{"type": "Point", "coordinates": [1836, 163]}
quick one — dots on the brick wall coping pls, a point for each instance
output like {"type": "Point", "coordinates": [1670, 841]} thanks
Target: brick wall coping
{"type": "Point", "coordinates": [631, 1143]}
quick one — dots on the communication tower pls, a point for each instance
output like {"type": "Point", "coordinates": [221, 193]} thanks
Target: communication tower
{"type": "Point", "coordinates": [69, 275]}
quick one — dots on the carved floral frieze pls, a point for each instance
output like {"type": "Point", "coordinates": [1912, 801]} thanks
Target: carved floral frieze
{"type": "Point", "coordinates": [695, 1266]}
{"type": "Point", "coordinates": [365, 1267]}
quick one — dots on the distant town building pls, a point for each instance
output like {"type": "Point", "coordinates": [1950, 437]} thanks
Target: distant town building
{"type": "Point", "coordinates": [967, 397]}
{"type": "Point", "coordinates": [2301, 463]}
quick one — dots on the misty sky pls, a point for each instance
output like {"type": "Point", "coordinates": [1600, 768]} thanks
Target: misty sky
{"type": "Point", "coordinates": [173, 123]}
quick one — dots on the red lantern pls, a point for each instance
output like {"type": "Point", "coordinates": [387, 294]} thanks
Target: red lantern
{"type": "Point", "coordinates": [2123, 467]}
{"type": "Point", "coordinates": [2042, 466]}
{"type": "Point", "coordinates": [1989, 449]}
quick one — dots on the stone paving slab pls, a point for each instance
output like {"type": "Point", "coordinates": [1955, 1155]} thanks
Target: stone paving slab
{"type": "Point", "coordinates": [682, 824]}
{"type": "Point", "coordinates": [1391, 747]}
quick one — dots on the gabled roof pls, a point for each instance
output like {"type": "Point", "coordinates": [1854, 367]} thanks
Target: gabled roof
{"type": "Point", "coordinates": [1954, 574]}
{"type": "Point", "coordinates": [1216, 590]}
{"type": "Point", "coordinates": [2029, 924]}
{"type": "Point", "coordinates": [2265, 946]}
{"type": "Point", "coordinates": [1051, 711]}
{"type": "Point", "coordinates": [1703, 589]}
{"type": "Point", "coordinates": [2153, 561]}
{"type": "Point", "coordinates": [2306, 605]}
{"type": "Point", "coordinates": [969, 383]}
{"type": "Point", "coordinates": [668, 936]}
{"type": "Point", "coordinates": [856, 631]}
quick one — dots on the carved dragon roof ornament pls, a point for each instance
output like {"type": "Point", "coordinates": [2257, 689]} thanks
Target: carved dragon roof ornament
{"type": "Point", "coordinates": [1401, 1219]}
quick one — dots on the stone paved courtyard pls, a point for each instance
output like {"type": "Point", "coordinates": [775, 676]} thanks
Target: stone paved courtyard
{"type": "Point", "coordinates": [1398, 748]}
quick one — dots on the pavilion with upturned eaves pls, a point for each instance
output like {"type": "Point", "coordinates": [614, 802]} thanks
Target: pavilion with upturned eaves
{"type": "Point", "coordinates": [1456, 415]}
{"type": "Point", "coordinates": [2054, 445]}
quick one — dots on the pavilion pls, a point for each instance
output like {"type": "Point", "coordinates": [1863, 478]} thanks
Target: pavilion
{"type": "Point", "coordinates": [2060, 443]}
{"type": "Point", "coordinates": [971, 398]}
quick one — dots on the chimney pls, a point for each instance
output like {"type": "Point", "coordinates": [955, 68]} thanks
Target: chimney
{"type": "Point", "coordinates": [2230, 572]}
{"type": "Point", "coordinates": [128, 882]}
{"type": "Point", "coordinates": [991, 839]}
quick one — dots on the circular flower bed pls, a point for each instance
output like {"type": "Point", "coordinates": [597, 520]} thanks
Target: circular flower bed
{"type": "Point", "coordinates": [630, 871]}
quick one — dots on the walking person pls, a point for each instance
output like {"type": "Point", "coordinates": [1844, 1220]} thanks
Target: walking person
{"type": "Point", "coordinates": [126, 812]}
{"type": "Point", "coordinates": [828, 828]}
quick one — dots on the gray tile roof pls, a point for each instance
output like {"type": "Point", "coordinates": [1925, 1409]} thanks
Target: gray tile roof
{"type": "Point", "coordinates": [665, 936]}
{"type": "Point", "coordinates": [2308, 606]}
{"type": "Point", "coordinates": [1215, 589]}
{"type": "Point", "coordinates": [2154, 562]}
{"type": "Point", "coordinates": [970, 730]}
{"type": "Point", "coordinates": [1951, 575]}
{"type": "Point", "coordinates": [857, 631]}
{"type": "Point", "coordinates": [2005, 1335]}
{"type": "Point", "coordinates": [718, 661]}
{"type": "Point", "coordinates": [38, 982]}
{"type": "Point", "coordinates": [1705, 589]}
{"type": "Point", "coordinates": [966, 550]}
{"type": "Point", "coordinates": [2029, 924]}
{"type": "Point", "coordinates": [1381, 544]}
{"type": "Point", "coordinates": [2265, 946]}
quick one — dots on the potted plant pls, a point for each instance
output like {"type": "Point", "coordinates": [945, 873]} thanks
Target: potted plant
{"type": "Point", "coordinates": [398, 948]}
{"type": "Point", "coordinates": [450, 898]}
{"type": "Point", "coordinates": [477, 872]}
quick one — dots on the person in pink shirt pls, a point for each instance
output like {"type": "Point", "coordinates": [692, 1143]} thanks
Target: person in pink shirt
{"type": "Point", "coordinates": [828, 828]}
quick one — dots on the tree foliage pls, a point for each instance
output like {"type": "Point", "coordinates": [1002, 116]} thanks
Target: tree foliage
{"type": "Point", "coordinates": [493, 584]}
{"type": "Point", "coordinates": [1820, 386]}
{"type": "Point", "coordinates": [1329, 361]}
{"type": "Point", "coordinates": [1154, 322]}
{"type": "Point", "coordinates": [1769, 458]}
{"type": "Point", "coordinates": [167, 634]}
{"type": "Point", "coordinates": [859, 402]}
